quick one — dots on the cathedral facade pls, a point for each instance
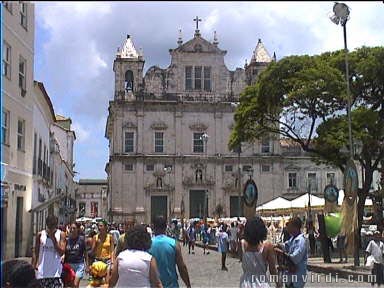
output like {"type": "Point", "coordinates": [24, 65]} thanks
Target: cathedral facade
{"type": "Point", "coordinates": [168, 132]}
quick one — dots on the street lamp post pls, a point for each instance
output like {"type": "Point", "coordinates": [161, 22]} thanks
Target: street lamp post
{"type": "Point", "coordinates": [205, 137]}
{"type": "Point", "coordinates": [341, 15]}
{"type": "Point", "coordinates": [168, 171]}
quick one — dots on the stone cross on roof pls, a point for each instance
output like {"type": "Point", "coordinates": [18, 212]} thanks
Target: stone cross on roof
{"type": "Point", "coordinates": [197, 19]}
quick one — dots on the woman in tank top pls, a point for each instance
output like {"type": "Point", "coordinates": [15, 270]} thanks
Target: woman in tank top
{"type": "Point", "coordinates": [135, 267]}
{"type": "Point", "coordinates": [258, 255]}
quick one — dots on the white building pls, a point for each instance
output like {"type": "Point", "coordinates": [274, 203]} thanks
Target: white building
{"type": "Point", "coordinates": [18, 29]}
{"type": "Point", "coordinates": [161, 161]}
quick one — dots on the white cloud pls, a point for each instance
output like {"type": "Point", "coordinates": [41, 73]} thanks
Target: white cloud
{"type": "Point", "coordinates": [82, 134]}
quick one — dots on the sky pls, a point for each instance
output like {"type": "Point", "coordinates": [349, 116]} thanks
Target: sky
{"type": "Point", "coordinates": [76, 43]}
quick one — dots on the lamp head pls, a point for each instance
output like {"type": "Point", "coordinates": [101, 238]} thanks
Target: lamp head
{"type": "Point", "coordinates": [341, 15]}
{"type": "Point", "coordinates": [334, 19]}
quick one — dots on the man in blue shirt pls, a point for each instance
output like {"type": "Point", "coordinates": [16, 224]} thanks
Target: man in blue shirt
{"type": "Point", "coordinates": [167, 252]}
{"type": "Point", "coordinates": [296, 248]}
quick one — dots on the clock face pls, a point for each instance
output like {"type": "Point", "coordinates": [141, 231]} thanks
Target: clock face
{"type": "Point", "coordinates": [331, 193]}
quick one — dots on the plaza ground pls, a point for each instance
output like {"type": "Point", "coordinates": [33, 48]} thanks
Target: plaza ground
{"type": "Point", "coordinates": [205, 271]}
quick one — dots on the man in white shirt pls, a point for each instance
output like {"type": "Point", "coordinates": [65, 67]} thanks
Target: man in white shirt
{"type": "Point", "coordinates": [375, 248]}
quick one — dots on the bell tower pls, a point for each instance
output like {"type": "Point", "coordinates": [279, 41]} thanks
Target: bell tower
{"type": "Point", "coordinates": [128, 67]}
{"type": "Point", "coordinates": [259, 62]}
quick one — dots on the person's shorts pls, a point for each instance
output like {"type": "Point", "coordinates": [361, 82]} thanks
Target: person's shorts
{"type": "Point", "coordinates": [79, 269]}
{"type": "Point", "coordinates": [51, 282]}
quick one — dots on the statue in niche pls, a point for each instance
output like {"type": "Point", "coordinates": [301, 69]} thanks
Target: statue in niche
{"type": "Point", "coordinates": [159, 182]}
{"type": "Point", "coordinates": [199, 176]}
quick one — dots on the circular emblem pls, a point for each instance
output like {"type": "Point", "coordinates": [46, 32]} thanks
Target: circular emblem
{"type": "Point", "coordinates": [331, 193]}
{"type": "Point", "coordinates": [250, 193]}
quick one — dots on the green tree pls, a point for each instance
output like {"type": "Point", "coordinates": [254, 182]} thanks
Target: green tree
{"type": "Point", "coordinates": [303, 98]}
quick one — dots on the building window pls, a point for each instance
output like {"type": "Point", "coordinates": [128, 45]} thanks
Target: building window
{"type": "Point", "coordinates": [159, 142]}
{"type": "Point", "coordinates": [34, 153]}
{"type": "Point", "coordinates": [265, 146]}
{"type": "Point", "coordinates": [128, 167]}
{"type": "Point", "coordinates": [188, 78]}
{"type": "Point", "coordinates": [82, 209]}
{"type": "Point", "coordinates": [247, 168]}
{"type": "Point", "coordinates": [7, 60]}
{"type": "Point", "coordinates": [5, 128]}
{"type": "Point", "coordinates": [20, 135]}
{"type": "Point", "coordinates": [8, 6]}
{"type": "Point", "coordinates": [129, 142]}
{"type": "Point", "coordinates": [198, 78]}
{"type": "Point", "coordinates": [312, 182]}
{"type": "Point", "coordinates": [292, 180]}
{"type": "Point", "coordinates": [265, 168]}
{"type": "Point", "coordinates": [228, 168]}
{"type": "Point", "coordinates": [159, 182]}
{"type": "Point", "coordinates": [331, 178]}
{"type": "Point", "coordinates": [150, 167]}
{"type": "Point", "coordinates": [198, 144]}
{"type": "Point", "coordinates": [207, 78]}
{"type": "Point", "coordinates": [22, 70]}
{"type": "Point", "coordinates": [23, 14]}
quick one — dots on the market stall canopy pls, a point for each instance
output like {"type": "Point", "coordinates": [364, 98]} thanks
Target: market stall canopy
{"type": "Point", "coordinates": [368, 202]}
{"type": "Point", "coordinates": [277, 203]}
{"type": "Point", "coordinates": [302, 201]}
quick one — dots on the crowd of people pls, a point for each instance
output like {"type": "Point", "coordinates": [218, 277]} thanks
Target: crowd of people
{"type": "Point", "coordinates": [137, 255]}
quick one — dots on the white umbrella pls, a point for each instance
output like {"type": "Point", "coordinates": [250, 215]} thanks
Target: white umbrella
{"type": "Point", "coordinates": [83, 219]}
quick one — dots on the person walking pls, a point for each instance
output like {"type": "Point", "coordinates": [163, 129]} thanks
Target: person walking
{"type": "Point", "coordinates": [129, 224]}
{"type": "Point", "coordinates": [75, 252]}
{"type": "Point", "coordinates": [167, 252]}
{"type": "Point", "coordinates": [222, 241]}
{"type": "Point", "coordinates": [258, 256]}
{"type": "Point", "coordinates": [233, 238]}
{"type": "Point", "coordinates": [205, 236]}
{"type": "Point", "coordinates": [103, 248]}
{"type": "Point", "coordinates": [296, 250]}
{"type": "Point", "coordinates": [375, 248]}
{"type": "Point", "coordinates": [191, 232]}
{"type": "Point", "coordinates": [46, 259]}
{"type": "Point", "coordinates": [135, 267]}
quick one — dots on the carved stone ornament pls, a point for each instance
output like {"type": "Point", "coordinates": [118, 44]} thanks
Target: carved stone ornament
{"type": "Point", "coordinates": [198, 127]}
{"type": "Point", "coordinates": [128, 124]}
{"type": "Point", "coordinates": [160, 125]}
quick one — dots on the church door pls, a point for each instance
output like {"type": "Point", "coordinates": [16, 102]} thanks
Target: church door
{"type": "Point", "coordinates": [196, 203]}
{"type": "Point", "coordinates": [158, 206]}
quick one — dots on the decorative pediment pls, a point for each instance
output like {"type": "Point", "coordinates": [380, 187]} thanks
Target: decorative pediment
{"type": "Point", "coordinates": [160, 125]}
{"type": "Point", "coordinates": [200, 45]}
{"type": "Point", "coordinates": [159, 173]}
{"type": "Point", "coordinates": [151, 188]}
{"type": "Point", "coordinates": [129, 125]}
{"type": "Point", "coordinates": [198, 126]}
{"type": "Point", "coordinates": [292, 167]}
{"type": "Point", "coordinates": [197, 165]}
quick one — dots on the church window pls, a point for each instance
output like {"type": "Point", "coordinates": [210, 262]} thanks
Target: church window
{"type": "Point", "coordinates": [207, 78]}
{"type": "Point", "coordinates": [312, 182]}
{"type": "Point", "coordinates": [228, 168]}
{"type": "Point", "coordinates": [129, 80]}
{"type": "Point", "coordinates": [150, 167]}
{"type": "Point", "coordinates": [198, 78]}
{"type": "Point", "coordinates": [188, 78]}
{"type": "Point", "coordinates": [265, 168]}
{"type": "Point", "coordinates": [159, 142]}
{"type": "Point", "coordinates": [129, 142]}
{"type": "Point", "coordinates": [128, 167]}
{"type": "Point", "coordinates": [331, 178]}
{"type": "Point", "coordinates": [247, 168]}
{"type": "Point", "coordinates": [198, 144]}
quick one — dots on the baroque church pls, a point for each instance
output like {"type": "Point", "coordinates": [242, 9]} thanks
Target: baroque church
{"type": "Point", "coordinates": [168, 132]}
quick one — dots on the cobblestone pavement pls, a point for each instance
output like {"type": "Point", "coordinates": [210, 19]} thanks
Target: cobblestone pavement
{"type": "Point", "coordinates": [205, 271]}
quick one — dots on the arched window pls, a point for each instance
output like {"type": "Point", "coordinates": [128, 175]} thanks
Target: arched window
{"type": "Point", "coordinates": [199, 176]}
{"type": "Point", "coordinates": [129, 80]}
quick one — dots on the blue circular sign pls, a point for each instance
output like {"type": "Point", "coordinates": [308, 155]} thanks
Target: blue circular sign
{"type": "Point", "coordinates": [250, 193]}
{"type": "Point", "coordinates": [331, 193]}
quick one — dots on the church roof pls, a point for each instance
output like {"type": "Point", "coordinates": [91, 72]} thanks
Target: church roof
{"type": "Point", "coordinates": [199, 44]}
{"type": "Point", "coordinates": [129, 50]}
{"type": "Point", "coordinates": [261, 55]}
